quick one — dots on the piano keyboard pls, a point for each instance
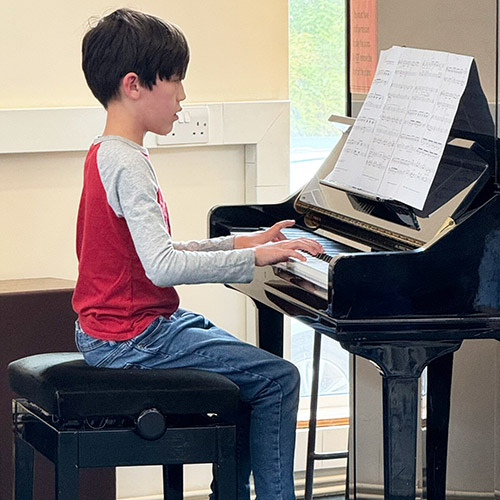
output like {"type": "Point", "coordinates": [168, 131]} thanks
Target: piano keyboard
{"type": "Point", "coordinates": [315, 268]}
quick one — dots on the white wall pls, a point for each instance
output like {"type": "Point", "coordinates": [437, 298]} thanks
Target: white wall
{"type": "Point", "coordinates": [235, 48]}
{"type": "Point", "coordinates": [239, 49]}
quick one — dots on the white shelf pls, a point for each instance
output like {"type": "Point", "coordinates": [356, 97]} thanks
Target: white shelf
{"type": "Point", "coordinates": [41, 130]}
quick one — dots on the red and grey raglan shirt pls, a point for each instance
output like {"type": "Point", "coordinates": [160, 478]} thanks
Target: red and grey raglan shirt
{"type": "Point", "coordinates": [128, 263]}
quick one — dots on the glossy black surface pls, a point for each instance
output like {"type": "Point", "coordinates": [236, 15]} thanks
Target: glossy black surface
{"type": "Point", "coordinates": [404, 309]}
{"type": "Point", "coordinates": [456, 277]}
{"type": "Point", "coordinates": [451, 285]}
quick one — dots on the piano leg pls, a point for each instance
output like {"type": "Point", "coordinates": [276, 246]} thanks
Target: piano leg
{"type": "Point", "coordinates": [439, 374]}
{"type": "Point", "coordinates": [400, 443]}
{"type": "Point", "coordinates": [269, 329]}
{"type": "Point", "coordinates": [401, 364]}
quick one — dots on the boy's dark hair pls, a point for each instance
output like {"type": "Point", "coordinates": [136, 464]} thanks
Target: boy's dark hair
{"type": "Point", "coordinates": [130, 41]}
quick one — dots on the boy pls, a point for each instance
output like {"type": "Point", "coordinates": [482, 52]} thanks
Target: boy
{"type": "Point", "coordinates": [128, 311]}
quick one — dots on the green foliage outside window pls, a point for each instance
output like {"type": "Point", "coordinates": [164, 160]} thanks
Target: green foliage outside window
{"type": "Point", "coordinates": [317, 65]}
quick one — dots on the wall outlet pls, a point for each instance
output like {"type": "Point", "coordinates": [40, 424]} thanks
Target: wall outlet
{"type": "Point", "coordinates": [190, 128]}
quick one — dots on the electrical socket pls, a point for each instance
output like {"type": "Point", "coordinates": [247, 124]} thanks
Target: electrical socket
{"type": "Point", "coordinates": [190, 128]}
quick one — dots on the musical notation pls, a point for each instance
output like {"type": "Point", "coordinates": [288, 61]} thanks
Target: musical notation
{"type": "Point", "coordinates": [395, 145]}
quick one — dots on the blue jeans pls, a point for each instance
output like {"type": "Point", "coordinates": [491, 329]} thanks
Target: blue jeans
{"type": "Point", "coordinates": [269, 385]}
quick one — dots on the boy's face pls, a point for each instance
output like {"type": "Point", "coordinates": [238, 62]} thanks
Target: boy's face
{"type": "Point", "coordinates": [161, 104]}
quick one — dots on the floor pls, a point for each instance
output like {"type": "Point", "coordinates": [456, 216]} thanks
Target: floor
{"type": "Point", "coordinates": [328, 498]}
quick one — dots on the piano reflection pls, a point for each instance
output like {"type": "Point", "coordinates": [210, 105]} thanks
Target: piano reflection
{"type": "Point", "coordinates": [400, 286]}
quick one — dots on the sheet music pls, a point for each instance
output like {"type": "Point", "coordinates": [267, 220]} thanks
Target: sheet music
{"type": "Point", "coordinates": [395, 145]}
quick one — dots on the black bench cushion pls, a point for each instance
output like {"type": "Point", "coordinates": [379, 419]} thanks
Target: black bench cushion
{"type": "Point", "coordinates": [63, 385]}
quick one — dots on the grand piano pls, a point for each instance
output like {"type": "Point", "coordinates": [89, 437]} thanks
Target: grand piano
{"type": "Point", "coordinates": [399, 286]}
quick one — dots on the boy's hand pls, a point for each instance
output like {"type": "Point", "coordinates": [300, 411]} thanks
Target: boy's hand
{"type": "Point", "coordinates": [257, 238]}
{"type": "Point", "coordinates": [281, 251]}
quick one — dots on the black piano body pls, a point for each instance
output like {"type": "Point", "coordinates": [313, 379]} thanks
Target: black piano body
{"type": "Point", "coordinates": [411, 288]}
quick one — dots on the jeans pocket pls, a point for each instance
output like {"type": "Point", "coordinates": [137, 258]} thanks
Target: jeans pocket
{"type": "Point", "coordinates": [96, 352]}
{"type": "Point", "coordinates": [86, 343]}
{"type": "Point", "coordinates": [152, 339]}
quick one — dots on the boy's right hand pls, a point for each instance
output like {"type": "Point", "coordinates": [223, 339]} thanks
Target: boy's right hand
{"type": "Point", "coordinates": [281, 251]}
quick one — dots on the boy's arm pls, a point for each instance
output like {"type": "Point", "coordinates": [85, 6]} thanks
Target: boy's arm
{"type": "Point", "coordinates": [207, 245]}
{"type": "Point", "coordinates": [132, 193]}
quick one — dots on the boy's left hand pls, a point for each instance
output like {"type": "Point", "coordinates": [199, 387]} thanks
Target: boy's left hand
{"type": "Point", "coordinates": [257, 238]}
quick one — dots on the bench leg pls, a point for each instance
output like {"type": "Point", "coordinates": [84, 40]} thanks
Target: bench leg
{"type": "Point", "coordinates": [173, 482]}
{"type": "Point", "coordinates": [226, 480]}
{"type": "Point", "coordinates": [66, 467]}
{"type": "Point", "coordinates": [23, 469]}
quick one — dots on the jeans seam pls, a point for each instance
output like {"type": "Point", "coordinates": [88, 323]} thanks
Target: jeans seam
{"type": "Point", "coordinates": [271, 381]}
{"type": "Point", "coordinates": [112, 355]}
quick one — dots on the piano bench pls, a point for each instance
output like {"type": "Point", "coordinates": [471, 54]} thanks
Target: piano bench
{"type": "Point", "coordinates": [80, 416]}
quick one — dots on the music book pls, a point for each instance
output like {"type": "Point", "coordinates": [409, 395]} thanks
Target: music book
{"type": "Point", "coordinates": [396, 143]}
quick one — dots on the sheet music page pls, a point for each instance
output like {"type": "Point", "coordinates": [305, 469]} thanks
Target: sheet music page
{"type": "Point", "coordinates": [396, 143]}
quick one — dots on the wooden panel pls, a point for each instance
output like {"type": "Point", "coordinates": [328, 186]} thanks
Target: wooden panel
{"type": "Point", "coordinates": [36, 317]}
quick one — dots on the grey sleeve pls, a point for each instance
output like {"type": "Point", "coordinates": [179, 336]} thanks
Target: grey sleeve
{"type": "Point", "coordinates": [221, 243]}
{"type": "Point", "coordinates": [131, 188]}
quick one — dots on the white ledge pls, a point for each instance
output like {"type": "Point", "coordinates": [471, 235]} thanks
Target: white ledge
{"type": "Point", "coordinates": [42, 130]}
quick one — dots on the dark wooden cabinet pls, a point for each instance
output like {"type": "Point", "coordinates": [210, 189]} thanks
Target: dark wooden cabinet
{"type": "Point", "coordinates": [36, 317]}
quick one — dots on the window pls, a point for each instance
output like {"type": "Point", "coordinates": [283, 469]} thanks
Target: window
{"type": "Point", "coordinates": [317, 90]}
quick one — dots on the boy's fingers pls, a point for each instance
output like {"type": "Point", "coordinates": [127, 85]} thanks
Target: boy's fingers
{"type": "Point", "coordinates": [298, 256]}
{"type": "Point", "coordinates": [308, 245]}
{"type": "Point", "coordinates": [285, 223]}
{"type": "Point", "coordinates": [282, 224]}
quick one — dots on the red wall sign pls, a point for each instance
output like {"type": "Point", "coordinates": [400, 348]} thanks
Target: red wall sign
{"type": "Point", "coordinates": [363, 44]}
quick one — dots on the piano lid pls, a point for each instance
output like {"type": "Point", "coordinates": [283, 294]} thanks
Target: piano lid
{"type": "Point", "coordinates": [466, 166]}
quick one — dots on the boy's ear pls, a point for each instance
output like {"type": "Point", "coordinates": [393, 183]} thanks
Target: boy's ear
{"type": "Point", "coordinates": [131, 86]}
